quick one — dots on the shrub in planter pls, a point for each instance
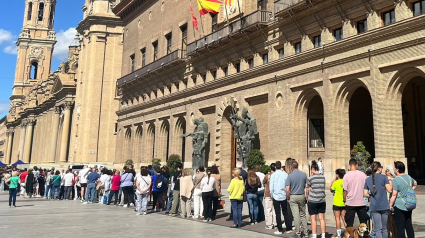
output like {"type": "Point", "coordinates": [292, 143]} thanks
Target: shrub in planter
{"type": "Point", "coordinates": [172, 162]}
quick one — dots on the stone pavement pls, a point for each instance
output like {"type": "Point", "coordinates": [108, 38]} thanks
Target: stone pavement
{"type": "Point", "coordinates": [38, 217]}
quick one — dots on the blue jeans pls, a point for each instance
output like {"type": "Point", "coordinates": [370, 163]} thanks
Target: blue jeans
{"type": "Point", "coordinates": [252, 205]}
{"type": "Point", "coordinates": [12, 196]}
{"type": "Point", "coordinates": [91, 189]}
{"type": "Point", "coordinates": [379, 219]}
{"type": "Point", "coordinates": [105, 197]}
{"type": "Point", "coordinates": [52, 191]}
{"type": "Point", "coordinates": [260, 197]}
{"type": "Point", "coordinates": [237, 211]}
{"type": "Point", "coordinates": [372, 232]}
{"type": "Point", "coordinates": [47, 190]}
{"type": "Point", "coordinates": [2, 185]}
{"type": "Point", "coordinates": [170, 201]}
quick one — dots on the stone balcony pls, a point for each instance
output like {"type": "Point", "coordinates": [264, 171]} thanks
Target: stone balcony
{"type": "Point", "coordinates": [231, 31]}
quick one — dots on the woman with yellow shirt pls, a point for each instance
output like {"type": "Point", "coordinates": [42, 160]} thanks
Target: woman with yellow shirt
{"type": "Point", "coordinates": [338, 204]}
{"type": "Point", "coordinates": [236, 190]}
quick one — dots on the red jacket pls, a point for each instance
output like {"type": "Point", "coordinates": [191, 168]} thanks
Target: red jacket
{"type": "Point", "coordinates": [116, 181]}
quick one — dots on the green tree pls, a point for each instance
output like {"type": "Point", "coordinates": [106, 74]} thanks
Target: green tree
{"type": "Point", "coordinates": [128, 162]}
{"type": "Point", "coordinates": [362, 156]}
{"type": "Point", "coordinates": [256, 157]}
{"type": "Point", "coordinates": [156, 162]}
{"type": "Point", "coordinates": [172, 162]}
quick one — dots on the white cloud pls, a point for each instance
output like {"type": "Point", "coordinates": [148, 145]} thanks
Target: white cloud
{"type": "Point", "coordinates": [4, 108]}
{"type": "Point", "coordinates": [10, 49]}
{"type": "Point", "coordinates": [64, 39]}
{"type": "Point", "coordinates": [6, 36]}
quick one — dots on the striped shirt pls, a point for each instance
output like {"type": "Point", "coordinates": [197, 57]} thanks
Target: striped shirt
{"type": "Point", "coordinates": [317, 183]}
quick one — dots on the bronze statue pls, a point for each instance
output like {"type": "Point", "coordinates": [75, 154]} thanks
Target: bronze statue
{"type": "Point", "coordinates": [199, 143]}
{"type": "Point", "coordinates": [245, 128]}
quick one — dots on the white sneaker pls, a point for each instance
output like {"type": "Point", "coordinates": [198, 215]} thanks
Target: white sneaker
{"type": "Point", "coordinates": [269, 227]}
{"type": "Point", "coordinates": [144, 213]}
{"type": "Point", "coordinates": [277, 232]}
{"type": "Point", "coordinates": [125, 205]}
{"type": "Point", "coordinates": [138, 214]}
{"type": "Point", "coordinates": [85, 203]}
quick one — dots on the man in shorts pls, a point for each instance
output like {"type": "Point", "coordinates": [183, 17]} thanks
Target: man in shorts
{"type": "Point", "coordinates": [82, 177]}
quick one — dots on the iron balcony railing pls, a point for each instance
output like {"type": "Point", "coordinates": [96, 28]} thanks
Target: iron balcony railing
{"type": "Point", "coordinates": [257, 17]}
{"type": "Point", "coordinates": [281, 5]}
{"type": "Point", "coordinates": [161, 62]}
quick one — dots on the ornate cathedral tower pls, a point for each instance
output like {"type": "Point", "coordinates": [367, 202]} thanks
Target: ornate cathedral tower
{"type": "Point", "coordinates": [35, 47]}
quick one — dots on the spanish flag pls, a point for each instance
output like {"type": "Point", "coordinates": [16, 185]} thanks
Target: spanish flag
{"type": "Point", "coordinates": [208, 6]}
{"type": "Point", "coordinates": [228, 2]}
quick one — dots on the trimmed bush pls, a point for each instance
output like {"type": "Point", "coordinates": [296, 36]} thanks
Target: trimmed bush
{"type": "Point", "coordinates": [172, 162]}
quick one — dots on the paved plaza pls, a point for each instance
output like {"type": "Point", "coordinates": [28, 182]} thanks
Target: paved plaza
{"type": "Point", "coordinates": [37, 217]}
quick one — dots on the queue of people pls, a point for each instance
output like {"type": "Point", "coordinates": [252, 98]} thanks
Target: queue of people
{"type": "Point", "coordinates": [286, 190]}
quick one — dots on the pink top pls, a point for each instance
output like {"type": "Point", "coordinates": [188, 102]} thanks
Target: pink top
{"type": "Point", "coordinates": [353, 183]}
{"type": "Point", "coordinates": [116, 180]}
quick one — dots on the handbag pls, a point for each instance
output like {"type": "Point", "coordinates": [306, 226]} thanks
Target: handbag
{"type": "Point", "coordinates": [221, 204]}
{"type": "Point", "coordinates": [193, 189]}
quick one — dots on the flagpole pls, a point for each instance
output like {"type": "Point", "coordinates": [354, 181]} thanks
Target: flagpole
{"type": "Point", "coordinates": [239, 7]}
{"type": "Point", "coordinates": [191, 14]}
{"type": "Point", "coordinates": [227, 14]}
{"type": "Point", "coordinates": [202, 24]}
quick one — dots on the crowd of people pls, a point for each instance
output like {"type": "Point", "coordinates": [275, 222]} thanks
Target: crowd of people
{"type": "Point", "coordinates": [373, 196]}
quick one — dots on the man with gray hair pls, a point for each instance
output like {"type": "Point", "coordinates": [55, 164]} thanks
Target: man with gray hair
{"type": "Point", "coordinates": [295, 193]}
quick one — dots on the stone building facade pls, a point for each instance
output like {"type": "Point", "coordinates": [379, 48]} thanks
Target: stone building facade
{"type": "Point", "coordinates": [318, 76]}
{"type": "Point", "coordinates": [3, 131]}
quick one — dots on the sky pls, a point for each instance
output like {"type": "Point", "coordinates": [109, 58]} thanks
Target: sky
{"type": "Point", "coordinates": [68, 15]}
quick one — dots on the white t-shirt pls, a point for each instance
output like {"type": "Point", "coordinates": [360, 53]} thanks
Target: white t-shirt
{"type": "Point", "coordinates": [320, 167]}
{"type": "Point", "coordinates": [83, 175]}
{"type": "Point", "coordinates": [144, 181]}
{"type": "Point", "coordinates": [207, 186]}
{"type": "Point", "coordinates": [68, 178]}
{"type": "Point", "coordinates": [261, 176]}
{"type": "Point", "coordinates": [106, 180]}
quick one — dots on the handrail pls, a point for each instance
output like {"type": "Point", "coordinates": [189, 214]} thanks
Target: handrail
{"type": "Point", "coordinates": [178, 54]}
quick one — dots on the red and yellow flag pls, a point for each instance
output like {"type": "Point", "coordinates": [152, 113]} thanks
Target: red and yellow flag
{"type": "Point", "coordinates": [228, 2]}
{"type": "Point", "coordinates": [194, 20]}
{"type": "Point", "coordinates": [208, 6]}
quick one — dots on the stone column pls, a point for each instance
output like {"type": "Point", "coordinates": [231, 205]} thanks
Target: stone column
{"type": "Point", "coordinates": [9, 146]}
{"type": "Point", "coordinates": [55, 133]}
{"type": "Point", "coordinates": [65, 133]}
{"type": "Point", "coordinates": [28, 141]}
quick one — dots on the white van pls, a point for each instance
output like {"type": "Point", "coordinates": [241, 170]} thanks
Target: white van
{"type": "Point", "coordinates": [78, 167]}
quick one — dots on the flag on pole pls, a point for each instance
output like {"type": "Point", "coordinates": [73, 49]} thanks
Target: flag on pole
{"type": "Point", "coordinates": [208, 6]}
{"type": "Point", "coordinates": [228, 2]}
{"type": "Point", "coordinates": [194, 20]}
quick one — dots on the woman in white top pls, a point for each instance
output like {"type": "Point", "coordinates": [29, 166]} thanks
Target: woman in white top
{"type": "Point", "coordinates": [207, 187]}
{"type": "Point", "coordinates": [105, 179]}
{"type": "Point", "coordinates": [143, 184]}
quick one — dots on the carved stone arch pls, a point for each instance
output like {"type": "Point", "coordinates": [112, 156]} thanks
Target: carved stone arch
{"type": "Point", "coordinates": [150, 142]}
{"type": "Point", "coordinates": [225, 103]}
{"type": "Point", "coordinates": [178, 143]}
{"type": "Point", "coordinates": [399, 79]}
{"type": "Point", "coordinates": [164, 140]}
{"type": "Point", "coordinates": [138, 145]}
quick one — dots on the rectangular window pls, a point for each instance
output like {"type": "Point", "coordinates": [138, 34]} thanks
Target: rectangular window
{"type": "Point", "coordinates": [297, 47]}
{"type": "Point", "coordinates": [338, 34]}
{"type": "Point", "coordinates": [388, 17]}
{"type": "Point", "coordinates": [29, 11]}
{"type": "Point", "coordinates": [361, 26]}
{"type": "Point", "coordinates": [262, 5]}
{"type": "Point", "coordinates": [169, 42]}
{"type": "Point", "coordinates": [132, 62]}
{"type": "Point", "coordinates": [317, 133]}
{"type": "Point", "coordinates": [155, 50]}
{"type": "Point", "coordinates": [317, 41]}
{"type": "Point", "coordinates": [40, 12]}
{"type": "Point", "coordinates": [418, 8]}
{"type": "Point", "coordinates": [116, 128]}
{"type": "Point", "coordinates": [281, 53]}
{"type": "Point", "coordinates": [143, 52]}
{"type": "Point", "coordinates": [184, 37]}
{"type": "Point", "coordinates": [251, 63]}
{"type": "Point", "coordinates": [214, 20]}
{"type": "Point", "coordinates": [238, 67]}
{"type": "Point", "coordinates": [265, 58]}
{"type": "Point", "coordinates": [225, 71]}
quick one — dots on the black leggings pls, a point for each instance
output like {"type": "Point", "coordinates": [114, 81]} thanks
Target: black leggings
{"type": "Point", "coordinates": [157, 197]}
{"type": "Point", "coordinates": [128, 194]}
{"type": "Point", "coordinates": [207, 200]}
{"type": "Point", "coordinates": [403, 222]}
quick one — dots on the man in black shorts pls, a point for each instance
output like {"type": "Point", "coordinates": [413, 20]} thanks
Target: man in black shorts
{"type": "Point", "coordinates": [82, 177]}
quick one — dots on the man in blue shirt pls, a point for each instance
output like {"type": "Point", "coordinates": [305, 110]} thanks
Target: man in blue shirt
{"type": "Point", "coordinates": [278, 193]}
{"type": "Point", "coordinates": [92, 179]}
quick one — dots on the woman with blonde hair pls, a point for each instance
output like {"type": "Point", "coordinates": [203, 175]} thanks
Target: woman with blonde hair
{"type": "Point", "coordinates": [186, 186]}
{"type": "Point", "coordinates": [236, 190]}
{"type": "Point", "coordinates": [13, 183]}
{"type": "Point", "coordinates": [288, 165]}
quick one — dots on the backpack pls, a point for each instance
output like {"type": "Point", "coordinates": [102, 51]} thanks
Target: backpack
{"type": "Point", "coordinates": [410, 199]}
{"type": "Point", "coordinates": [159, 182]}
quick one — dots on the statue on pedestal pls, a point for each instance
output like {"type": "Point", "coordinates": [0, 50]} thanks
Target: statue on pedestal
{"type": "Point", "coordinates": [245, 129]}
{"type": "Point", "coordinates": [199, 143]}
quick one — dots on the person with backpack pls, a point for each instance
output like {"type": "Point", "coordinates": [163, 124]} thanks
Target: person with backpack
{"type": "Point", "coordinates": [403, 200]}
{"type": "Point", "coordinates": [376, 188]}
{"type": "Point", "coordinates": [160, 185]}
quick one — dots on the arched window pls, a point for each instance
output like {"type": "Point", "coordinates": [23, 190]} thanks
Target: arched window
{"type": "Point", "coordinates": [52, 15]}
{"type": "Point", "coordinates": [40, 12]}
{"type": "Point", "coordinates": [33, 70]}
{"type": "Point", "coordinates": [29, 11]}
